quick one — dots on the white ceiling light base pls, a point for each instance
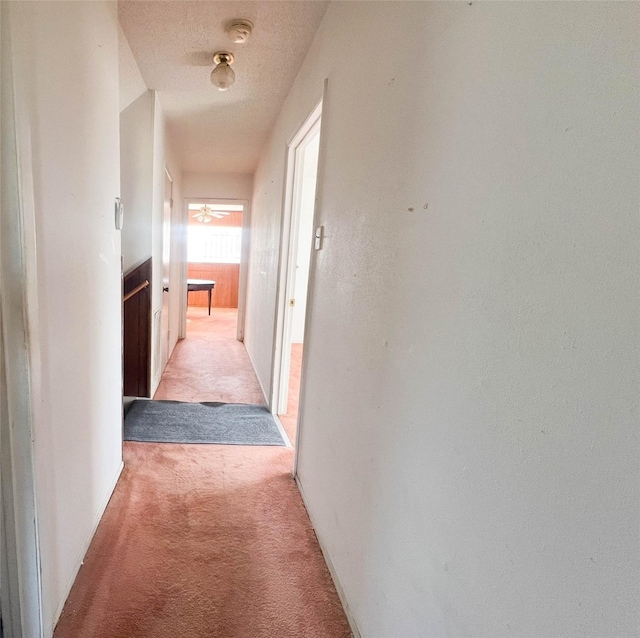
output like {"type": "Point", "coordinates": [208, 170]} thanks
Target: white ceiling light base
{"type": "Point", "coordinates": [239, 31]}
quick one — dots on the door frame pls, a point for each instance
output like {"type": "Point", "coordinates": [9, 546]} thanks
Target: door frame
{"type": "Point", "coordinates": [166, 236]}
{"type": "Point", "coordinates": [244, 259]}
{"type": "Point", "coordinates": [21, 592]}
{"type": "Point", "coordinates": [281, 353]}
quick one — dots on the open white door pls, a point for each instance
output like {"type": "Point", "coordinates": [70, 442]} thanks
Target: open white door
{"type": "Point", "coordinates": [300, 241]}
{"type": "Point", "coordinates": [295, 262]}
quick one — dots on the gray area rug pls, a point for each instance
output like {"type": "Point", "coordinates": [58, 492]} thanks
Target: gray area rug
{"type": "Point", "coordinates": [180, 422]}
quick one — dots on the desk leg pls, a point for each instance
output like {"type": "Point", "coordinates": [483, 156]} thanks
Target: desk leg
{"type": "Point", "coordinates": [210, 291]}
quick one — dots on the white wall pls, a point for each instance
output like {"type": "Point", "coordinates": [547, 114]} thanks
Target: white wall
{"type": "Point", "coordinates": [144, 152]}
{"type": "Point", "coordinates": [136, 174]}
{"type": "Point", "coordinates": [132, 85]}
{"type": "Point", "coordinates": [218, 185]}
{"type": "Point", "coordinates": [469, 442]}
{"type": "Point", "coordinates": [66, 67]}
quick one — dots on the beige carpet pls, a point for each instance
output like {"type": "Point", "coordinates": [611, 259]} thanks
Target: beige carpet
{"type": "Point", "coordinates": [210, 364]}
{"type": "Point", "coordinates": [205, 540]}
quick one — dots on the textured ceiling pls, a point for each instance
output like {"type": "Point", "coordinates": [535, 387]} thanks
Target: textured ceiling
{"type": "Point", "coordinates": [173, 44]}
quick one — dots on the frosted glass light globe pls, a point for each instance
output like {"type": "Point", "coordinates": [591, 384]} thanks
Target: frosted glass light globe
{"type": "Point", "coordinates": [222, 77]}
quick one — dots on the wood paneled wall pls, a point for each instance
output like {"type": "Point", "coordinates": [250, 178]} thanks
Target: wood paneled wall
{"type": "Point", "coordinates": [137, 332]}
{"type": "Point", "coordinates": [225, 293]}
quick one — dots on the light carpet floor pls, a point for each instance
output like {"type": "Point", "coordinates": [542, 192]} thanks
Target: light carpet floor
{"type": "Point", "coordinates": [205, 540]}
{"type": "Point", "coordinates": [210, 364]}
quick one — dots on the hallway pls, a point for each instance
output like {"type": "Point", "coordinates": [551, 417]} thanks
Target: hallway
{"type": "Point", "coordinates": [469, 446]}
{"type": "Point", "coordinates": [205, 540]}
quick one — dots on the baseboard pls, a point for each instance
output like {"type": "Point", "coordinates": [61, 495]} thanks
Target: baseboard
{"type": "Point", "coordinates": [283, 432]}
{"type": "Point", "coordinates": [154, 386]}
{"type": "Point", "coordinates": [355, 632]}
{"type": "Point", "coordinates": [85, 549]}
{"type": "Point", "coordinates": [255, 371]}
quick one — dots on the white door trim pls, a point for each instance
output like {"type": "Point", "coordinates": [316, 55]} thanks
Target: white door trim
{"type": "Point", "coordinates": [167, 235]}
{"type": "Point", "coordinates": [184, 226]}
{"type": "Point", "coordinates": [244, 268]}
{"type": "Point", "coordinates": [19, 388]}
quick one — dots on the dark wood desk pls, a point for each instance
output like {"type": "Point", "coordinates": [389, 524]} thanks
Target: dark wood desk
{"type": "Point", "coordinates": [198, 285]}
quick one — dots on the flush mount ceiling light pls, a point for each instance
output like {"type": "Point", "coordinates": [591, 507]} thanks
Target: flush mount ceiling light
{"type": "Point", "coordinates": [222, 77]}
{"type": "Point", "coordinates": [239, 31]}
{"type": "Point", "coordinates": [206, 214]}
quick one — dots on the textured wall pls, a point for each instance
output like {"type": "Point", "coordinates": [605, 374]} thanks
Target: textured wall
{"type": "Point", "coordinates": [66, 67]}
{"type": "Point", "coordinates": [136, 175]}
{"type": "Point", "coordinates": [131, 84]}
{"type": "Point", "coordinates": [218, 185]}
{"type": "Point", "coordinates": [469, 440]}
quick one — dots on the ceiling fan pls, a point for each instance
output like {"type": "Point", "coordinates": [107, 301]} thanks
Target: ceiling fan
{"type": "Point", "coordinates": [206, 214]}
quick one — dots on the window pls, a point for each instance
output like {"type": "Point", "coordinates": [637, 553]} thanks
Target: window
{"type": "Point", "coordinates": [214, 244]}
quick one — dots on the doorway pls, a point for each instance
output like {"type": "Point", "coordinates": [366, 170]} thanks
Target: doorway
{"type": "Point", "coordinates": [297, 247]}
{"type": "Point", "coordinates": [215, 256]}
{"type": "Point", "coordinates": [210, 364]}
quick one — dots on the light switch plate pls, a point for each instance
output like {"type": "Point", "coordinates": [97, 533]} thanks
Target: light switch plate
{"type": "Point", "coordinates": [119, 213]}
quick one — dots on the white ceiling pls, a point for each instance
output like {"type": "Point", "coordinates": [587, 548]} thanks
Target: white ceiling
{"type": "Point", "coordinates": [173, 44]}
